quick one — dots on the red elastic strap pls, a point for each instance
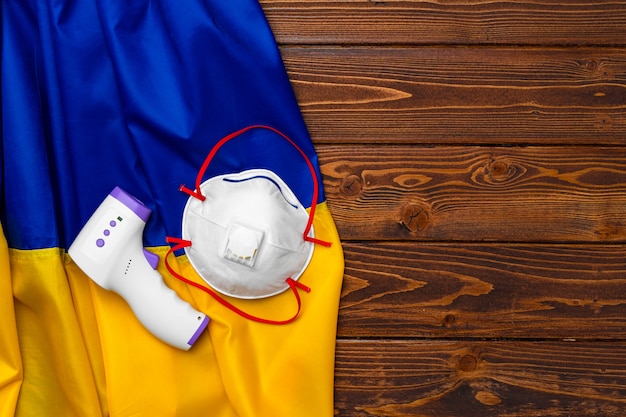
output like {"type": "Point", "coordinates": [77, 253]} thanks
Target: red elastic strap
{"type": "Point", "coordinates": [197, 193]}
{"type": "Point", "coordinates": [293, 284]}
{"type": "Point", "coordinates": [192, 193]}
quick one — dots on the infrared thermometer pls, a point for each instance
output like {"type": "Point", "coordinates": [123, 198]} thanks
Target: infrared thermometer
{"type": "Point", "coordinates": [110, 251]}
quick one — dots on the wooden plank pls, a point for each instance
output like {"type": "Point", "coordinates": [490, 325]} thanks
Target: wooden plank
{"type": "Point", "coordinates": [521, 194]}
{"type": "Point", "coordinates": [461, 95]}
{"type": "Point", "coordinates": [538, 22]}
{"type": "Point", "coordinates": [447, 241]}
{"type": "Point", "coordinates": [402, 290]}
{"type": "Point", "coordinates": [495, 378]}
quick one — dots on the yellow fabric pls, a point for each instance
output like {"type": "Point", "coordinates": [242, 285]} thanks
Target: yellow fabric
{"type": "Point", "coordinates": [10, 361]}
{"type": "Point", "coordinates": [83, 353]}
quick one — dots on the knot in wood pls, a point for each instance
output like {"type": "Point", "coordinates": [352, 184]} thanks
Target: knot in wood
{"type": "Point", "coordinates": [604, 122]}
{"type": "Point", "coordinates": [449, 321]}
{"type": "Point", "coordinates": [596, 68]}
{"type": "Point", "coordinates": [592, 65]}
{"type": "Point", "coordinates": [351, 185]}
{"type": "Point", "coordinates": [500, 171]}
{"type": "Point", "coordinates": [468, 363]}
{"type": "Point", "coordinates": [414, 217]}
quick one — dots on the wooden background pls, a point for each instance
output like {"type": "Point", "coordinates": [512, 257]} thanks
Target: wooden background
{"type": "Point", "coordinates": [474, 160]}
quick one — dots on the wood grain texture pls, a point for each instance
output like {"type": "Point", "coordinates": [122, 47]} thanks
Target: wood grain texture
{"type": "Point", "coordinates": [495, 378]}
{"type": "Point", "coordinates": [522, 194]}
{"type": "Point", "coordinates": [477, 22]}
{"type": "Point", "coordinates": [461, 95]}
{"type": "Point", "coordinates": [474, 160]}
{"type": "Point", "coordinates": [443, 290]}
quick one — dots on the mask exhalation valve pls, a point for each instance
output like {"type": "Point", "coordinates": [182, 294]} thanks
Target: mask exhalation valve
{"type": "Point", "coordinates": [243, 244]}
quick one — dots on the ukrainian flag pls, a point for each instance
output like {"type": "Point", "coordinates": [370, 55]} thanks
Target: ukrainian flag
{"type": "Point", "coordinates": [105, 93]}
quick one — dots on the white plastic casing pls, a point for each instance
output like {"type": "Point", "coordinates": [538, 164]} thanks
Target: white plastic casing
{"type": "Point", "coordinates": [109, 250]}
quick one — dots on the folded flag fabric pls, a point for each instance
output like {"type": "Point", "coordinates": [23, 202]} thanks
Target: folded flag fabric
{"type": "Point", "coordinates": [105, 93]}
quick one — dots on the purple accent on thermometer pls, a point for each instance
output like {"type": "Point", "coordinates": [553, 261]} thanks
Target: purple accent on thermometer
{"type": "Point", "coordinates": [152, 258]}
{"type": "Point", "coordinates": [100, 243]}
{"type": "Point", "coordinates": [139, 208]}
{"type": "Point", "coordinates": [199, 331]}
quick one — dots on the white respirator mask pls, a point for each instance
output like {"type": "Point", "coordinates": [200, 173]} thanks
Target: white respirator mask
{"type": "Point", "coordinates": [246, 234]}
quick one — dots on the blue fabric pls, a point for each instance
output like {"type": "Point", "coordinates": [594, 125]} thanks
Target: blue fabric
{"type": "Point", "coordinates": [99, 93]}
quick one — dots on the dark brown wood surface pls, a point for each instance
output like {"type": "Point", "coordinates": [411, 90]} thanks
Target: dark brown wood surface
{"type": "Point", "coordinates": [474, 160]}
{"type": "Point", "coordinates": [472, 22]}
{"type": "Point", "coordinates": [437, 95]}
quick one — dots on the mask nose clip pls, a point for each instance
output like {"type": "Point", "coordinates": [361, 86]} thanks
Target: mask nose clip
{"type": "Point", "coordinates": [242, 244]}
